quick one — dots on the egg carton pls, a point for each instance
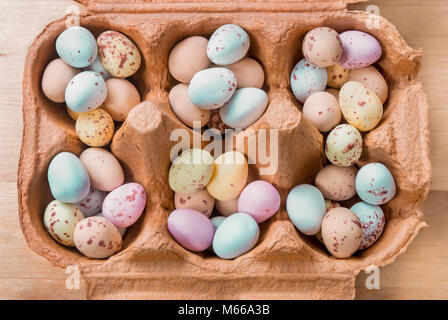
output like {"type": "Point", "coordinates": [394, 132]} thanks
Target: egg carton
{"type": "Point", "coordinates": [285, 264]}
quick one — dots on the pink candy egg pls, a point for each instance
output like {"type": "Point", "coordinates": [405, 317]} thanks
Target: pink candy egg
{"type": "Point", "coordinates": [360, 49]}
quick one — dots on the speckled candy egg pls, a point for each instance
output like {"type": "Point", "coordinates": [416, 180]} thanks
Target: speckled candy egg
{"type": "Point", "coordinates": [360, 106]}
{"type": "Point", "coordinates": [85, 92]}
{"type": "Point", "coordinates": [341, 232]}
{"type": "Point", "coordinates": [375, 184]}
{"type": "Point", "coordinates": [95, 128]}
{"type": "Point", "coordinates": [322, 47]}
{"type": "Point", "coordinates": [118, 54]}
{"type": "Point", "coordinates": [360, 49]}
{"type": "Point", "coordinates": [235, 236]}
{"type": "Point", "coordinates": [227, 207]}
{"type": "Point", "coordinates": [322, 110]}
{"type": "Point", "coordinates": [92, 203]}
{"type": "Point", "coordinates": [372, 79]}
{"type": "Point", "coordinates": [307, 78]}
{"type": "Point", "coordinates": [122, 96]}
{"type": "Point", "coordinates": [191, 171]}
{"type": "Point", "coordinates": [96, 237]}
{"type": "Point", "coordinates": [372, 221]}
{"type": "Point", "coordinates": [55, 79]}
{"type": "Point", "coordinates": [122, 231]}
{"type": "Point", "coordinates": [211, 88]}
{"type": "Point", "coordinates": [200, 201]}
{"type": "Point", "coordinates": [337, 76]}
{"type": "Point", "coordinates": [329, 204]}
{"type": "Point", "coordinates": [337, 183]}
{"type": "Point", "coordinates": [60, 220]}
{"type": "Point", "coordinates": [68, 179]}
{"type": "Point", "coordinates": [305, 206]}
{"type": "Point", "coordinates": [260, 200]}
{"type": "Point", "coordinates": [228, 44]}
{"type": "Point", "coordinates": [248, 73]}
{"type": "Point", "coordinates": [97, 67]}
{"type": "Point", "coordinates": [77, 47]}
{"type": "Point", "coordinates": [344, 145]}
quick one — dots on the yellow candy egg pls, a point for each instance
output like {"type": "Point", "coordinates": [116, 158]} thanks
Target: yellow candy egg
{"type": "Point", "coordinates": [344, 145]}
{"type": "Point", "coordinates": [73, 114]}
{"type": "Point", "coordinates": [337, 76]}
{"type": "Point", "coordinates": [95, 128]}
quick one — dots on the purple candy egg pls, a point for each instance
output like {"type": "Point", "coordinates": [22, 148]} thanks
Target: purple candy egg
{"type": "Point", "coordinates": [360, 49]}
{"type": "Point", "coordinates": [260, 200]}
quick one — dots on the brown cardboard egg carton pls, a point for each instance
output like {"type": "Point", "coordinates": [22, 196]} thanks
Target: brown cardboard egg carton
{"type": "Point", "coordinates": [284, 264]}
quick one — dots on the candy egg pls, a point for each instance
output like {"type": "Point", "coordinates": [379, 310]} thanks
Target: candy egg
{"type": "Point", "coordinates": [372, 79]}
{"type": "Point", "coordinates": [235, 236]}
{"type": "Point", "coordinates": [200, 201]}
{"type": "Point", "coordinates": [55, 79]}
{"type": "Point", "coordinates": [344, 145]}
{"type": "Point", "coordinates": [228, 44]}
{"type": "Point", "coordinates": [121, 98]}
{"type": "Point", "coordinates": [85, 92]}
{"type": "Point", "coordinates": [217, 220]}
{"type": "Point", "coordinates": [104, 169]}
{"type": "Point", "coordinates": [188, 57]}
{"type": "Point", "coordinates": [229, 176]}
{"type": "Point", "coordinates": [337, 183]}
{"type": "Point", "coordinates": [125, 204]}
{"type": "Point", "coordinates": [216, 122]}
{"type": "Point", "coordinates": [260, 200]}
{"type": "Point", "coordinates": [122, 231]}
{"type": "Point", "coordinates": [211, 88]}
{"type": "Point", "coordinates": [307, 78]}
{"type": "Point", "coordinates": [118, 54]}
{"type": "Point", "coordinates": [245, 107]}
{"type": "Point", "coordinates": [372, 221]}
{"type": "Point", "coordinates": [92, 203]}
{"type": "Point", "coordinates": [322, 110]}
{"type": "Point", "coordinates": [191, 229]}
{"type": "Point", "coordinates": [360, 106]}
{"type": "Point", "coordinates": [333, 92]}
{"type": "Point", "coordinates": [375, 184]}
{"type": "Point", "coordinates": [322, 47]}
{"type": "Point", "coordinates": [72, 114]}
{"type": "Point", "coordinates": [77, 47]}
{"type": "Point", "coordinates": [337, 76]}
{"type": "Point", "coordinates": [248, 73]}
{"type": "Point", "coordinates": [97, 67]}
{"type": "Point", "coordinates": [227, 207]}
{"type": "Point", "coordinates": [60, 220]}
{"type": "Point", "coordinates": [360, 49]}
{"type": "Point", "coordinates": [68, 179]}
{"type": "Point", "coordinates": [329, 204]}
{"type": "Point", "coordinates": [191, 171]}
{"type": "Point", "coordinates": [305, 206]}
{"type": "Point", "coordinates": [96, 237]}
{"type": "Point", "coordinates": [95, 128]}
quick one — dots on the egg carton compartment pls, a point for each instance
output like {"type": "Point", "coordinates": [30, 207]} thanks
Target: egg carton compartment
{"type": "Point", "coordinates": [284, 263]}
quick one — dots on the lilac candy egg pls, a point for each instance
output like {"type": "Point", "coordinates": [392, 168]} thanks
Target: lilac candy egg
{"type": "Point", "coordinates": [307, 78]}
{"type": "Point", "coordinates": [360, 50]}
{"type": "Point", "coordinates": [260, 200]}
{"type": "Point", "coordinates": [92, 203]}
{"type": "Point", "coordinates": [191, 229]}
{"type": "Point", "coordinates": [372, 221]}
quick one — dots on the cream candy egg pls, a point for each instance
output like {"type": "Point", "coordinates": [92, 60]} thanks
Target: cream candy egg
{"type": "Point", "coordinates": [307, 78]}
{"type": "Point", "coordinates": [337, 183]}
{"type": "Point", "coordinates": [360, 49]}
{"type": "Point", "coordinates": [92, 203]}
{"type": "Point", "coordinates": [85, 92]}
{"type": "Point", "coordinates": [95, 128]}
{"type": "Point", "coordinates": [344, 145]}
{"type": "Point", "coordinates": [121, 98]}
{"type": "Point", "coordinates": [122, 231]}
{"type": "Point", "coordinates": [337, 76]}
{"type": "Point", "coordinates": [55, 79]}
{"type": "Point", "coordinates": [77, 47]}
{"type": "Point", "coordinates": [322, 47]}
{"type": "Point", "coordinates": [322, 110]}
{"type": "Point", "coordinates": [259, 199]}
{"type": "Point", "coordinates": [248, 73]}
{"type": "Point", "coordinates": [96, 237]}
{"type": "Point", "coordinates": [60, 220]}
{"type": "Point", "coordinates": [200, 201]}
{"type": "Point", "coordinates": [329, 204]}
{"type": "Point", "coordinates": [228, 44]}
{"type": "Point", "coordinates": [372, 79]}
{"type": "Point", "coordinates": [375, 184]}
{"type": "Point", "coordinates": [227, 207]}
{"type": "Point", "coordinates": [97, 67]}
{"type": "Point", "coordinates": [372, 221]}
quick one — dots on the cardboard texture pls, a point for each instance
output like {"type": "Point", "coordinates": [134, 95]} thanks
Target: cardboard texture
{"type": "Point", "coordinates": [284, 264]}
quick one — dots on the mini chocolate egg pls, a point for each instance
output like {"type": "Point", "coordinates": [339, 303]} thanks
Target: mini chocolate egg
{"type": "Point", "coordinates": [245, 107]}
{"type": "Point", "coordinates": [334, 92]}
{"type": "Point", "coordinates": [229, 176]}
{"type": "Point", "coordinates": [191, 229]}
{"type": "Point", "coordinates": [85, 92]}
{"type": "Point", "coordinates": [341, 232]}
{"type": "Point", "coordinates": [337, 76]}
{"type": "Point", "coordinates": [55, 79]}
{"type": "Point", "coordinates": [375, 184]}
{"type": "Point", "coordinates": [191, 171]}
{"type": "Point", "coordinates": [122, 231]}
{"type": "Point", "coordinates": [259, 199]}
{"type": "Point", "coordinates": [227, 207]}
{"type": "Point", "coordinates": [188, 57]}
{"type": "Point", "coordinates": [307, 78]}
{"type": "Point", "coordinates": [72, 114]}
{"type": "Point", "coordinates": [360, 49]}
{"type": "Point", "coordinates": [200, 201]}
{"type": "Point", "coordinates": [68, 179]}
{"type": "Point", "coordinates": [372, 79]}
{"type": "Point", "coordinates": [305, 206]}
{"type": "Point", "coordinates": [122, 96]}
{"type": "Point", "coordinates": [329, 204]}
{"type": "Point", "coordinates": [118, 54]}
{"type": "Point", "coordinates": [96, 237]}
{"type": "Point", "coordinates": [322, 47]}
{"type": "Point", "coordinates": [95, 128]}
{"type": "Point", "coordinates": [77, 47]}
{"type": "Point", "coordinates": [228, 44]}
{"type": "Point", "coordinates": [184, 109]}
{"type": "Point", "coordinates": [216, 122]}
{"type": "Point", "coordinates": [344, 145]}
{"type": "Point", "coordinates": [235, 236]}
{"type": "Point", "coordinates": [104, 170]}
{"type": "Point", "coordinates": [92, 203]}
{"type": "Point", "coordinates": [97, 67]}
{"type": "Point", "coordinates": [60, 220]}
{"type": "Point", "coordinates": [248, 73]}
{"type": "Point", "coordinates": [322, 110]}
{"type": "Point", "coordinates": [125, 204]}
{"type": "Point", "coordinates": [337, 183]}
{"type": "Point", "coordinates": [372, 221]}
{"type": "Point", "coordinates": [211, 88]}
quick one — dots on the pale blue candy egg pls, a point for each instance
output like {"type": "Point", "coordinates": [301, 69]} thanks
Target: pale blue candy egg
{"type": "Point", "coordinates": [217, 221]}
{"type": "Point", "coordinates": [68, 179]}
{"type": "Point", "coordinates": [85, 92]}
{"type": "Point", "coordinates": [375, 184]}
{"type": "Point", "coordinates": [245, 107]}
{"type": "Point", "coordinates": [307, 78]}
{"type": "Point", "coordinates": [306, 208]}
{"type": "Point", "coordinates": [211, 88]}
{"type": "Point", "coordinates": [372, 221]}
{"type": "Point", "coordinates": [236, 235]}
{"type": "Point", "coordinates": [228, 44]}
{"type": "Point", "coordinates": [98, 67]}
{"type": "Point", "coordinates": [77, 47]}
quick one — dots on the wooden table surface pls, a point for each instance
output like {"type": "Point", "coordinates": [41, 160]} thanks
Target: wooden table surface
{"type": "Point", "coordinates": [420, 273]}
